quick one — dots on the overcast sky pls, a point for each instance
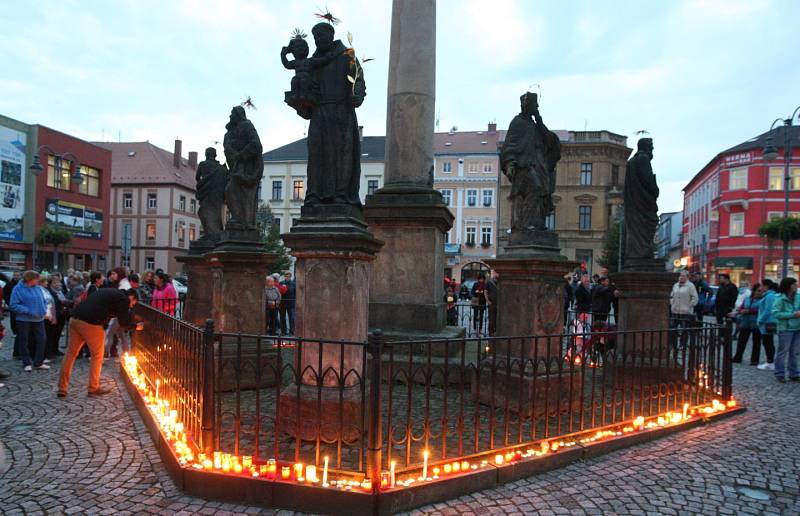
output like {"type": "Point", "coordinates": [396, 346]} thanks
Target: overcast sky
{"type": "Point", "coordinates": [700, 76]}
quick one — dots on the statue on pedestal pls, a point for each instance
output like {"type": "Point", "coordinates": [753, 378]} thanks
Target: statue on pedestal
{"type": "Point", "coordinates": [243, 153]}
{"type": "Point", "coordinates": [211, 179]}
{"type": "Point", "coordinates": [641, 207]}
{"type": "Point", "coordinates": [334, 149]}
{"type": "Point", "coordinates": [528, 158]}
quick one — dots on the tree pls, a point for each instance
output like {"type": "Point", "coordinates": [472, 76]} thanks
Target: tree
{"type": "Point", "coordinates": [611, 247]}
{"type": "Point", "coordinates": [54, 236]}
{"type": "Point", "coordinates": [271, 236]}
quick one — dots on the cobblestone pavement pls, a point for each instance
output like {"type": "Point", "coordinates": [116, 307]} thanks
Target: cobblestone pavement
{"type": "Point", "coordinates": [92, 455]}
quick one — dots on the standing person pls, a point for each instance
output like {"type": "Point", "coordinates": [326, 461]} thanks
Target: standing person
{"type": "Point", "coordinates": [112, 279]}
{"type": "Point", "coordinates": [602, 297]}
{"type": "Point", "coordinates": [583, 295]}
{"type": "Point", "coordinates": [491, 301]}
{"type": "Point", "coordinates": [147, 286]}
{"type": "Point", "coordinates": [272, 298]}
{"type": "Point", "coordinates": [682, 301]}
{"type": "Point", "coordinates": [703, 292]}
{"type": "Point", "coordinates": [3, 374]}
{"type": "Point", "coordinates": [450, 300]}
{"type": "Point", "coordinates": [478, 302]}
{"type": "Point", "coordinates": [569, 296]}
{"type": "Point", "coordinates": [7, 290]}
{"type": "Point", "coordinates": [28, 302]}
{"type": "Point", "coordinates": [726, 298]}
{"type": "Point", "coordinates": [55, 328]}
{"type": "Point", "coordinates": [786, 311]}
{"type": "Point", "coordinates": [287, 304]}
{"type": "Point", "coordinates": [86, 327]}
{"type": "Point", "coordinates": [280, 323]}
{"type": "Point", "coordinates": [165, 298]}
{"type": "Point", "coordinates": [96, 281]}
{"type": "Point", "coordinates": [746, 322]}
{"type": "Point", "coordinates": [767, 325]}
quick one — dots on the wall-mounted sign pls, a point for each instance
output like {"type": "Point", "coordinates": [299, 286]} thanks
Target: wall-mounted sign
{"type": "Point", "coordinates": [81, 221]}
{"type": "Point", "coordinates": [12, 183]}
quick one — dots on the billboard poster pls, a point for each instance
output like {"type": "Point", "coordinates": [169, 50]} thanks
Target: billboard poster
{"type": "Point", "coordinates": [81, 221]}
{"type": "Point", "coordinates": [12, 183]}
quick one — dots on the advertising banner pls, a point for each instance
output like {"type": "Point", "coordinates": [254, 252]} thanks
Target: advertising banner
{"type": "Point", "coordinates": [12, 183]}
{"type": "Point", "coordinates": [81, 221]}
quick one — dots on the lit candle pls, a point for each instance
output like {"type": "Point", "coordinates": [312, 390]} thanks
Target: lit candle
{"type": "Point", "coordinates": [425, 464]}
{"type": "Point", "coordinates": [498, 459]}
{"type": "Point", "coordinates": [456, 467]}
{"type": "Point", "coordinates": [464, 465]}
{"type": "Point", "coordinates": [435, 472]}
{"type": "Point", "coordinates": [286, 472]}
{"type": "Point", "coordinates": [207, 464]}
{"type": "Point", "coordinates": [247, 461]}
{"type": "Point", "coordinates": [447, 469]}
{"type": "Point", "coordinates": [685, 410]}
{"type": "Point", "coordinates": [226, 465]}
{"type": "Point", "coordinates": [158, 384]}
{"type": "Point", "coordinates": [366, 484]}
{"type": "Point", "coordinates": [311, 473]}
{"type": "Point", "coordinates": [217, 460]}
{"type": "Point", "coordinates": [325, 471]}
{"type": "Point", "coordinates": [391, 473]}
{"type": "Point", "coordinates": [237, 468]}
{"type": "Point", "coordinates": [731, 403]}
{"type": "Point", "coordinates": [384, 480]}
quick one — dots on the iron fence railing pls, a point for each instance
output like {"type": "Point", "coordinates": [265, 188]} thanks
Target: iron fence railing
{"type": "Point", "coordinates": [365, 405]}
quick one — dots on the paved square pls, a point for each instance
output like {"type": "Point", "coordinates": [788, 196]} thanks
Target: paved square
{"type": "Point", "coordinates": [92, 455]}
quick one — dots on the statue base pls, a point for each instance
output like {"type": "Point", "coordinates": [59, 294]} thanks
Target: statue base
{"type": "Point", "coordinates": [199, 247]}
{"type": "Point", "coordinates": [643, 265]}
{"type": "Point", "coordinates": [237, 237]}
{"type": "Point", "coordinates": [533, 243]}
{"type": "Point", "coordinates": [644, 302]}
{"type": "Point", "coordinates": [198, 305]}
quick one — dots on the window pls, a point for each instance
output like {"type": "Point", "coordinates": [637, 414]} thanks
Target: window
{"type": "Point", "coordinates": [471, 232]}
{"type": "Point", "coordinates": [152, 201]}
{"type": "Point", "coordinates": [193, 205]}
{"type": "Point", "coordinates": [472, 197]}
{"type": "Point", "coordinates": [277, 190]}
{"type": "Point", "coordinates": [54, 178]}
{"type": "Point", "coordinates": [446, 237]}
{"type": "Point", "coordinates": [181, 231]}
{"type": "Point", "coordinates": [372, 186]}
{"type": "Point", "coordinates": [297, 190]}
{"type": "Point", "coordinates": [614, 175]}
{"type": "Point", "coordinates": [584, 217]}
{"type": "Point", "coordinates": [779, 215]}
{"type": "Point", "coordinates": [182, 203]}
{"type": "Point", "coordinates": [447, 166]}
{"type": "Point", "coordinates": [192, 233]}
{"type": "Point", "coordinates": [738, 179]}
{"type": "Point", "coordinates": [486, 236]}
{"type": "Point", "coordinates": [550, 222]}
{"type": "Point", "coordinates": [150, 231]}
{"type": "Point", "coordinates": [586, 174]}
{"type": "Point", "coordinates": [795, 175]}
{"type": "Point", "coordinates": [447, 197]}
{"type": "Point", "coordinates": [488, 195]}
{"type": "Point", "coordinates": [776, 178]}
{"type": "Point", "coordinates": [91, 181]}
{"type": "Point", "coordinates": [584, 256]}
{"type": "Point", "coordinates": [127, 201]}
{"type": "Point", "coordinates": [737, 224]}
{"type": "Point", "coordinates": [126, 260]}
{"type": "Point", "coordinates": [473, 166]}
{"type": "Point", "coordinates": [487, 167]}
{"type": "Point", "coordinates": [149, 263]}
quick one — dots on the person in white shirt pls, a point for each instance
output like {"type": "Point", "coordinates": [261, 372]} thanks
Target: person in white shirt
{"type": "Point", "coordinates": [682, 301]}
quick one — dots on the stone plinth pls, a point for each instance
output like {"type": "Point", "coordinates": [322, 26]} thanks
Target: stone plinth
{"type": "Point", "coordinates": [238, 290]}
{"type": "Point", "coordinates": [334, 260]}
{"type": "Point", "coordinates": [644, 302]}
{"type": "Point", "coordinates": [198, 306]}
{"type": "Point", "coordinates": [528, 396]}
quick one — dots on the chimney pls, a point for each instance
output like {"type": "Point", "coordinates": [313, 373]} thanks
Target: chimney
{"type": "Point", "coordinates": [361, 133]}
{"type": "Point", "coordinates": [176, 157]}
{"type": "Point", "coordinates": [492, 127]}
{"type": "Point", "coordinates": [193, 160]}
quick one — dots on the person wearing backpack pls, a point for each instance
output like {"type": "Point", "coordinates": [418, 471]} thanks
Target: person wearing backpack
{"type": "Point", "coordinates": [747, 322]}
{"type": "Point", "coordinates": [786, 311]}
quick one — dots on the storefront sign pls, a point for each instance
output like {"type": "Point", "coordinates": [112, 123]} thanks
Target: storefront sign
{"type": "Point", "coordinates": [12, 183]}
{"type": "Point", "coordinates": [741, 158]}
{"type": "Point", "coordinates": [81, 221]}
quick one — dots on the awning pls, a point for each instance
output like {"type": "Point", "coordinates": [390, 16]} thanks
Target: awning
{"type": "Point", "coordinates": [733, 262]}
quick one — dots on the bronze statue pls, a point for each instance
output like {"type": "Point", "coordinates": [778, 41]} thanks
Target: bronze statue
{"type": "Point", "coordinates": [641, 207]}
{"type": "Point", "coordinates": [334, 148]}
{"type": "Point", "coordinates": [246, 164]}
{"type": "Point", "coordinates": [528, 158]}
{"type": "Point", "coordinates": [211, 178]}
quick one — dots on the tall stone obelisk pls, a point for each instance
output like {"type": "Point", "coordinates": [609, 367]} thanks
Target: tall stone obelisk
{"type": "Point", "coordinates": [408, 214]}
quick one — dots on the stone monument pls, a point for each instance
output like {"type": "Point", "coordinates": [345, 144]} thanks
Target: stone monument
{"type": "Point", "coordinates": [530, 266]}
{"type": "Point", "coordinates": [408, 214]}
{"type": "Point", "coordinates": [645, 285]}
{"type": "Point", "coordinates": [333, 248]}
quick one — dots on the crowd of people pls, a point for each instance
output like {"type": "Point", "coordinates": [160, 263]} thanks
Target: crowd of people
{"type": "Point", "coordinates": [279, 301]}
{"type": "Point", "coordinates": [482, 297]}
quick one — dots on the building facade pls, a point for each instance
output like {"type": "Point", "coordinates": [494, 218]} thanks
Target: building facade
{"type": "Point", "coordinates": [727, 201]}
{"type": "Point", "coordinates": [284, 183]}
{"type": "Point", "coordinates": [153, 206]}
{"type": "Point", "coordinates": [589, 180]}
{"type": "Point", "coordinates": [29, 202]}
{"type": "Point", "coordinates": [669, 241]}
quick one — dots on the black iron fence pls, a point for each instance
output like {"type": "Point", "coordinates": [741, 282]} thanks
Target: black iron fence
{"type": "Point", "coordinates": [366, 405]}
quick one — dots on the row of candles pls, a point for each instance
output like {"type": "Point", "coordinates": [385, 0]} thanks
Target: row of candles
{"type": "Point", "coordinates": [174, 432]}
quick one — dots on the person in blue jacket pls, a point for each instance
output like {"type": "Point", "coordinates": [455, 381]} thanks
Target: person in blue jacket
{"type": "Point", "coordinates": [30, 307]}
{"type": "Point", "coordinates": [766, 325]}
{"type": "Point", "coordinates": [786, 311]}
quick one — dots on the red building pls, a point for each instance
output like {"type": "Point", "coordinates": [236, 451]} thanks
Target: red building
{"type": "Point", "coordinates": [726, 203]}
{"type": "Point", "coordinates": [57, 199]}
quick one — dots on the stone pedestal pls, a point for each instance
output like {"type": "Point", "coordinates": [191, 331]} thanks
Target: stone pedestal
{"type": "Point", "coordinates": [237, 290]}
{"type": "Point", "coordinates": [198, 305]}
{"type": "Point", "coordinates": [334, 253]}
{"type": "Point", "coordinates": [644, 302]}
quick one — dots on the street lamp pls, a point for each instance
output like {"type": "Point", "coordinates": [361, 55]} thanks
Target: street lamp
{"type": "Point", "coordinates": [36, 169]}
{"type": "Point", "coordinates": [770, 153]}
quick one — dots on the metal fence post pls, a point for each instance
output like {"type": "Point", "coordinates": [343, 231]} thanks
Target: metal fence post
{"type": "Point", "coordinates": [374, 428]}
{"type": "Point", "coordinates": [727, 364]}
{"type": "Point", "coordinates": [207, 432]}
